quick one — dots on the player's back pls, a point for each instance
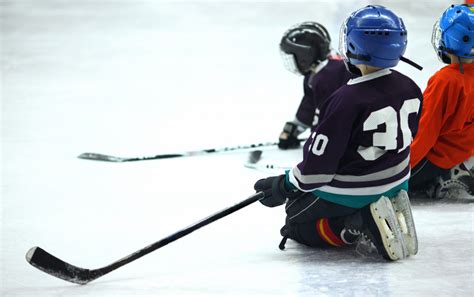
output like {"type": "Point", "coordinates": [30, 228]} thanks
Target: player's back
{"type": "Point", "coordinates": [448, 133]}
{"type": "Point", "coordinates": [387, 109]}
{"type": "Point", "coordinates": [363, 138]}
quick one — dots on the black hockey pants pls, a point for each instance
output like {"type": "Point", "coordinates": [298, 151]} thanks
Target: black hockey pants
{"type": "Point", "coordinates": [424, 174]}
{"type": "Point", "coordinates": [314, 222]}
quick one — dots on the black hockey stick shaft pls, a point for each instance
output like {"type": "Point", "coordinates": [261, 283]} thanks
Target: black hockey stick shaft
{"type": "Point", "coordinates": [110, 158]}
{"type": "Point", "coordinates": [48, 263]}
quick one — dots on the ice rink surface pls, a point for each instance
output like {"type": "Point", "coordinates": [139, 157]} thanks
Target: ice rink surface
{"type": "Point", "coordinates": [138, 78]}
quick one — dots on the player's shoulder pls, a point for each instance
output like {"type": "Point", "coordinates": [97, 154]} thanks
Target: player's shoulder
{"type": "Point", "coordinates": [402, 77]}
{"type": "Point", "coordinates": [361, 91]}
{"type": "Point", "coordinates": [330, 74]}
{"type": "Point", "coordinates": [346, 97]}
{"type": "Point", "coordinates": [449, 74]}
{"type": "Point", "coordinates": [343, 105]}
{"type": "Point", "coordinates": [334, 72]}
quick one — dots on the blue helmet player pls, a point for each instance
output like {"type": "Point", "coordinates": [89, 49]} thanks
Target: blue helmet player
{"type": "Point", "coordinates": [443, 152]}
{"type": "Point", "coordinates": [351, 184]}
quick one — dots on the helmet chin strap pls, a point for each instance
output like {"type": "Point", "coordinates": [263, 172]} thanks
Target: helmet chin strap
{"type": "Point", "coordinates": [410, 62]}
{"type": "Point", "coordinates": [461, 67]}
{"type": "Point", "coordinates": [352, 68]}
{"type": "Point", "coordinates": [446, 59]}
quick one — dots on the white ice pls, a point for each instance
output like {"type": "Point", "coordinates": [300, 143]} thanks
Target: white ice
{"type": "Point", "coordinates": [138, 78]}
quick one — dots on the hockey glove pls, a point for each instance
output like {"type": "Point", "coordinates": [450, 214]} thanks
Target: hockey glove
{"type": "Point", "coordinates": [275, 191]}
{"type": "Point", "coordinates": [289, 136]}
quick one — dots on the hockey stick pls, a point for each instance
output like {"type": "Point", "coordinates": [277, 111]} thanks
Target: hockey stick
{"type": "Point", "coordinates": [108, 158]}
{"type": "Point", "coordinates": [48, 263]}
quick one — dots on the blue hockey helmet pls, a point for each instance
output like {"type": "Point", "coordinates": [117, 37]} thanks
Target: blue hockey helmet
{"type": "Point", "coordinates": [374, 36]}
{"type": "Point", "coordinates": [453, 33]}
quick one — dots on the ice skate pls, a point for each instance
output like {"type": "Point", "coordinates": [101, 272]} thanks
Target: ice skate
{"type": "Point", "coordinates": [379, 227]}
{"type": "Point", "coordinates": [455, 185]}
{"type": "Point", "coordinates": [401, 205]}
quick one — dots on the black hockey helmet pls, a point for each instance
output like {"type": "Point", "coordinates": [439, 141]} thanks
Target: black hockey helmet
{"type": "Point", "coordinates": [304, 46]}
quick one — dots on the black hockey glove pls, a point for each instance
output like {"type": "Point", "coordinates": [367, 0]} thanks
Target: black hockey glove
{"type": "Point", "coordinates": [289, 136]}
{"type": "Point", "coordinates": [275, 191]}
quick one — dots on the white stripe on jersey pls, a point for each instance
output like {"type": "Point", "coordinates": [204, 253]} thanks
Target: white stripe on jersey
{"type": "Point", "coordinates": [296, 177]}
{"type": "Point", "coordinates": [386, 173]}
{"type": "Point", "coordinates": [326, 178]}
{"type": "Point", "coordinates": [363, 191]}
{"type": "Point", "coordinates": [310, 179]}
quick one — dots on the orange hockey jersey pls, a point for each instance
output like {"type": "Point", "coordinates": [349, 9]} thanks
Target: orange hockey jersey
{"type": "Point", "coordinates": [446, 129]}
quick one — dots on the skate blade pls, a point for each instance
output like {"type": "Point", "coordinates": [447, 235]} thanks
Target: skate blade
{"type": "Point", "coordinates": [387, 224]}
{"type": "Point", "coordinates": [401, 205]}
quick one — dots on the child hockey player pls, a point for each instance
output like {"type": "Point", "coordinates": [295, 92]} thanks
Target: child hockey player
{"type": "Point", "coordinates": [305, 49]}
{"type": "Point", "coordinates": [446, 136]}
{"type": "Point", "coordinates": [350, 186]}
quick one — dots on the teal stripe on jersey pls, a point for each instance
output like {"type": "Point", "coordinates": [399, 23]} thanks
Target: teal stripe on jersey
{"type": "Point", "coordinates": [359, 201]}
{"type": "Point", "coordinates": [354, 201]}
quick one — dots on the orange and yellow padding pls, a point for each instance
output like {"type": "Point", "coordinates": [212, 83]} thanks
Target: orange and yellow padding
{"type": "Point", "coordinates": [325, 232]}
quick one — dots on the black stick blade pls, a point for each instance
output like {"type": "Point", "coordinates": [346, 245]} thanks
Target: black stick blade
{"type": "Point", "coordinates": [101, 157]}
{"type": "Point", "coordinates": [255, 156]}
{"type": "Point", "coordinates": [48, 263]}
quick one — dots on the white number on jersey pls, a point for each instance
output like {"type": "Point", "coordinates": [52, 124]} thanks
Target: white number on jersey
{"type": "Point", "coordinates": [319, 144]}
{"type": "Point", "coordinates": [388, 140]}
{"type": "Point", "coordinates": [316, 117]}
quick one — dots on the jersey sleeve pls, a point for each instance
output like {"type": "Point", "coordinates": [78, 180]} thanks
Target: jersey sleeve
{"type": "Point", "coordinates": [323, 151]}
{"type": "Point", "coordinates": [433, 116]}
{"type": "Point", "coordinates": [306, 109]}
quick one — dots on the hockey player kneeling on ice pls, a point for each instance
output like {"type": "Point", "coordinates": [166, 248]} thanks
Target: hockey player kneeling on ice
{"type": "Point", "coordinates": [442, 151]}
{"type": "Point", "coordinates": [306, 50]}
{"type": "Point", "coordinates": [351, 185]}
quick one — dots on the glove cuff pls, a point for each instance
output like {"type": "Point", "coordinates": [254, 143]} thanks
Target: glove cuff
{"type": "Point", "coordinates": [294, 128]}
{"type": "Point", "coordinates": [290, 194]}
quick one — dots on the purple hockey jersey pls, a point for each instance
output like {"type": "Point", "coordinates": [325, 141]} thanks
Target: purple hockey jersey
{"type": "Point", "coordinates": [318, 87]}
{"type": "Point", "coordinates": [361, 146]}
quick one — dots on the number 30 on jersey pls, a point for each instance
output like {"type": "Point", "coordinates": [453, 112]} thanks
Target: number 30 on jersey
{"type": "Point", "coordinates": [384, 141]}
{"type": "Point", "coordinates": [381, 141]}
